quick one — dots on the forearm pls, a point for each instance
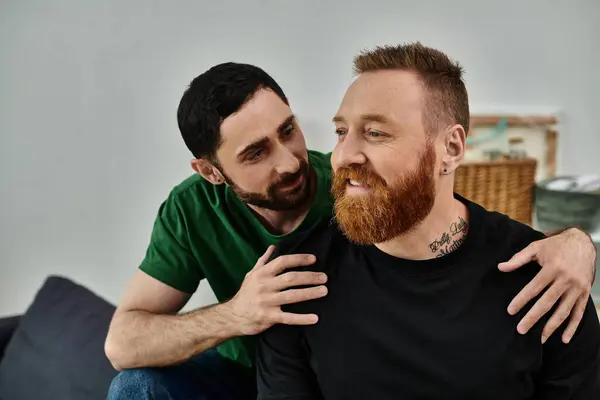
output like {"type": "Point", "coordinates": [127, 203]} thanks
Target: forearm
{"type": "Point", "coordinates": [142, 339]}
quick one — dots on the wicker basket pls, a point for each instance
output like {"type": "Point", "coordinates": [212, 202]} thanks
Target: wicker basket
{"type": "Point", "coordinates": [505, 186]}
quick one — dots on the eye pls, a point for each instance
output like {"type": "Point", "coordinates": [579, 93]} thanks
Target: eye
{"type": "Point", "coordinates": [289, 130]}
{"type": "Point", "coordinates": [375, 134]}
{"type": "Point", "coordinates": [255, 155]}
{"type": "Point", "coordinates": [340, 132]}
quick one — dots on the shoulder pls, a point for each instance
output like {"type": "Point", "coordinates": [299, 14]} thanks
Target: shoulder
{"type": "Point", "coordinates": [195, 189]}
{"type": "Point", "coordinates": [320, 161]}
{"type": "Point", "coordinates": [190, 197]}
{"type": "Point", "coordinates": [317, 240]}
{"type": "Point", "coordinates": [324, 240]}
{"type": "Point", "coordinates": [499, 231]}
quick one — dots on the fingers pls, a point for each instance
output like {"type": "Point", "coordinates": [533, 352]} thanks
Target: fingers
{"type": "Point", "coordinates": [531, 290]}
{"type": "Point", "coordinates": [265, 257]}
{"type": "Point", "coordinates": [298, 295]}
{"type": "Point", "coordinates": [298, 278]}
{"type": "Point", "coordinates": [576, 316]}
{"type": "Point", "coordinates": [281, 263]}
{"type": "Point", "coordinates": [541, 307]}
{"type": "Point", "coordinates": [296, 319]}
{"type": "Point", "coordinates": [560, 315]}
{"type": "Point", "coordinates": [525, 256]}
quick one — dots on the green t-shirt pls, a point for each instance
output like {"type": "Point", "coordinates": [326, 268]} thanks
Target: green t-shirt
{"type": "Point", "coordinates": [203, 231]}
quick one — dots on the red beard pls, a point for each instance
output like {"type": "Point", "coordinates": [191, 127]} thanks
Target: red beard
{"type": "Point", "coordinates": [386, 212]}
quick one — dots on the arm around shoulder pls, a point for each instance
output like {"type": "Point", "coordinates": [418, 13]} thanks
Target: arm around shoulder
{"type": "Point", "coordinates": [567, 259]}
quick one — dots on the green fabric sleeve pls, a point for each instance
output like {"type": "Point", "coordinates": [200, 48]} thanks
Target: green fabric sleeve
{"type": "Point", "coordinates": [169, 258]}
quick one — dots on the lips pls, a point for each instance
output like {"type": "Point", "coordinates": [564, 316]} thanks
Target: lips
{"type": "Point", "coordinates": [292, 184]}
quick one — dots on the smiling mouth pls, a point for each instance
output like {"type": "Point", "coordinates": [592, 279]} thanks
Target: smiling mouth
{"type": "Point", "coordinates": [356, 184]}
{"type": "Point", "coordinates": [293, 184]}
{"type": "Point", "coordinates": [357, 188]}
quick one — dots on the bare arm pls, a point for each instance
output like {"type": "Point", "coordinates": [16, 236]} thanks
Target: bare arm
{"type": "Point", "coordinates": [568, 261]}
{"type": "Point", "coordinates": [147, 331]}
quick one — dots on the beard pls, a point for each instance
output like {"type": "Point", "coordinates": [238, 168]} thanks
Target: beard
{"type": "Point", "coordinates": [275, 199]}
{"type": "Point", "coordinates": [385, 212]}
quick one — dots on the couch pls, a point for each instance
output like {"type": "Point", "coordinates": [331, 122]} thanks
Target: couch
{"type": "Point", "coordinates": [55, 350]}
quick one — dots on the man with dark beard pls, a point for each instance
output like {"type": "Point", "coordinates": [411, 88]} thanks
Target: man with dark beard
{"type": "Point", "coordinates": [414, 292]}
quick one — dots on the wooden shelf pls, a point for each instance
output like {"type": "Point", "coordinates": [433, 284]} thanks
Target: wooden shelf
{"type": "Point", "coordinates": [513, 120]}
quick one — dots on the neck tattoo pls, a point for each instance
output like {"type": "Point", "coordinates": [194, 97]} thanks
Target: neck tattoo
{"type": "Point", "coordinates": [450, 240]}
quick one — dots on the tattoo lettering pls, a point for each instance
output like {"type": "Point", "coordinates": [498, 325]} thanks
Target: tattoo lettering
{"type": "Point", "coordinates": [445, 245]}
{"type": "Point", "coordinates": [436, 244]}
{"type": "Point", "coordinates": [458, 227]}
{"type": "Point", "coordinates": [453, 247]}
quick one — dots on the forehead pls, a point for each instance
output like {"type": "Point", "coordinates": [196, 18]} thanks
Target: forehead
{"type": "Point", "coordinates": [388, 92]}
{"type": "Point", "coordinates": [258, 118]}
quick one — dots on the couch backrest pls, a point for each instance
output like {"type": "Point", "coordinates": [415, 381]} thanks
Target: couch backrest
{"type": "Point", "coordinates": [57, 351]}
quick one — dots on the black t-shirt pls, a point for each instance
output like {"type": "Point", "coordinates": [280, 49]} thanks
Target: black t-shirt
{"type": "Point", "coordinates": [392, 328]}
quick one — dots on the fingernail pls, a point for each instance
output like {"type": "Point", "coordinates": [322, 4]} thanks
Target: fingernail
{"type": "Point", "coordinates": [544, 338]}
{"type": "Point", "coordinates": [521, 329]}
{"type": "Point", "coordinates": [323, 277]}
{"type": "Point", "coordinates": [511, 310]}
{"type": "Point", "coordinates": [566, 339]}
{"type": "Point", "coordinates": [323, 290]}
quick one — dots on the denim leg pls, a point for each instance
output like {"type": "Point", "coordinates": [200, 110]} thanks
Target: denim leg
{"type": "Point", "coordinates": [207, 376]}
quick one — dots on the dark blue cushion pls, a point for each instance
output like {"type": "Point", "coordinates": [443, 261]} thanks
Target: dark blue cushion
{"type": "Point", "coordinates": [57, 350]}
{"type": "Point", "coordinates": [7, 328]}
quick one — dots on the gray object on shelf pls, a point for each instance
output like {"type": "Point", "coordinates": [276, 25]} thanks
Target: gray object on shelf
{"type": "Point", "coordinates": [558, 209]}
{"type": "Point", "coordinates": [596, 285]}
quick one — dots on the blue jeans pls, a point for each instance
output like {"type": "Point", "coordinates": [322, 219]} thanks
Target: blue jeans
{"type": "Point", "coordinates": [208, 376]}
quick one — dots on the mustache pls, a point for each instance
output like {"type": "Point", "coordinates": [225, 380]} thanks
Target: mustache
{"type": "Point", "coordinates": [359, 174]}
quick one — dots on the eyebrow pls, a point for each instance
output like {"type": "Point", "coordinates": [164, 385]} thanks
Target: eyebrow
{"type": "Point", "coordinates": [257, 144]}
{"type": "Point", "coordinates": [338, 118]}
{"type": "Point", "coordinates": [366, 117]}
{"type": "Point", "coordinates": [262, 142]}
{"type": "Point", "coordinates": [375, 118]}
{"type": "Point", "coordinates": [286, 123]}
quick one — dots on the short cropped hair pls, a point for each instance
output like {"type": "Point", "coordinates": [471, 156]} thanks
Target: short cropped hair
{"type": "Point", "coordinates": [446, 99]}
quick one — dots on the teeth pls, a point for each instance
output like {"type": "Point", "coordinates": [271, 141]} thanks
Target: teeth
{"type": "Point", "coordinates": [354, 183]}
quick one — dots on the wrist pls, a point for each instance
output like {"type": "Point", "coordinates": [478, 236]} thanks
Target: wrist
{"type": "Point", "coordinates": [584, 240]}
{"type": "Point", "coordinates": [232, 322]}
{"type": "Point", "coordinates": [573, 231]}
{"type": "Point", "coordinates": [581, 235]}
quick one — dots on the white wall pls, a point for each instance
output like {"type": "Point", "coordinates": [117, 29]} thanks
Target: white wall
{"type": "Point", "coordinates": [89, 90]}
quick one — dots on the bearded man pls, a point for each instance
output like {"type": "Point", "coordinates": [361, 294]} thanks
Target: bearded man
{"type": "Point", "coordinates": [414, 301]}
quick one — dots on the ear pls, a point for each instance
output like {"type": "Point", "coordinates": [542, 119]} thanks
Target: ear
{"type": "Point", "coordinates": [454, 145]}
{"type": "Point", "coordinates": [208, 171]}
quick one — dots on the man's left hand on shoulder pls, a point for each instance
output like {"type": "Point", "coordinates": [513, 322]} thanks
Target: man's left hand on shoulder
{"type": "Point", "coordinates": [568, 261]}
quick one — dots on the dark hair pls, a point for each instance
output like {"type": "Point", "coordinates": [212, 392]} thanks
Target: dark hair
{"type": "Point", "coordinates": [446, 94]}
{"type": "Point", "coordinates": [213, 96]}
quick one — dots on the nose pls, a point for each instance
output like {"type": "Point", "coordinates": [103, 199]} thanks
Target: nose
{"type": "Point", "coordinates": [286, 162]}
{"type": "Point", "coordinates": [348, 151]}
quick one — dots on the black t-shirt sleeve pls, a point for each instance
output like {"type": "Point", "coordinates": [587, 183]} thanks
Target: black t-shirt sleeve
{"type": "Point", "coordinates": [283, 367]}
{"type": "Point", "coordinates": [569, 371]}
{"type": "Point", "coordinates": [572, 371]}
